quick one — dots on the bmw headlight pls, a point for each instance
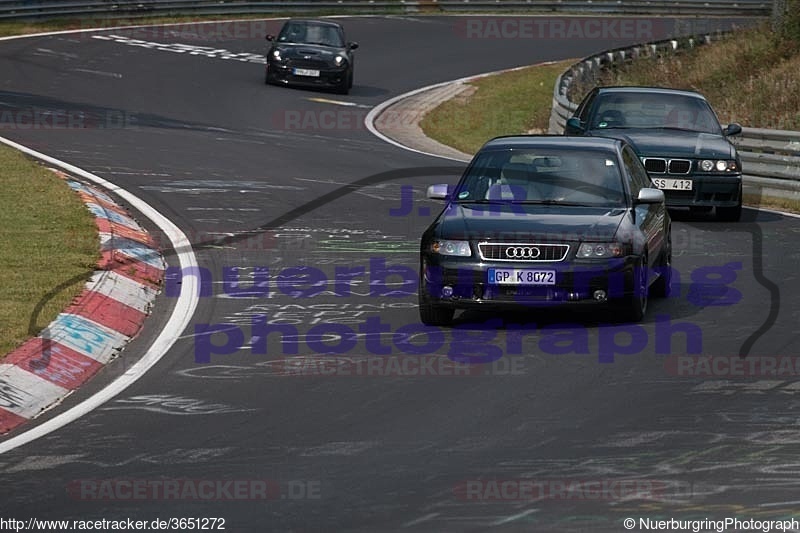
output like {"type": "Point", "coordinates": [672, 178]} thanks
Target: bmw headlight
{"type": "Point", "coordinates": [600, 250]}
{"type": "Point", "coordinates": [339, 60]}
{"type": "Point", "coordinates": [720, 165]}
{"type": "Point", "coordinates": [276, 54]}
{"type": "Point", "coordinates": [459, 248]}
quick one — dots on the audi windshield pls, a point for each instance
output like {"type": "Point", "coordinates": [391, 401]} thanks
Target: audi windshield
{"type": "Point", "coordinates": [569, 177]}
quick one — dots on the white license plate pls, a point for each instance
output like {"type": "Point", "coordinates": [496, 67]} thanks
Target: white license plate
{"type": "Point", "coordinates": [517, 276]}
{"type": "Point", "coordinates": [673, 185]}
{"type": "Point", "coordinates": [306, 72]}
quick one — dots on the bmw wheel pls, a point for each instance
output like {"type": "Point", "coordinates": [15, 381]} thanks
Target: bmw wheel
{"type": "Point", "coordinates": [730, 214]}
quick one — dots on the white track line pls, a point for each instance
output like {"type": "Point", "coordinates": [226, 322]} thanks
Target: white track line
{"type": "Point", "coordinates": [369, 120]}
{"type": "Point", "coordinates": [181, 315]}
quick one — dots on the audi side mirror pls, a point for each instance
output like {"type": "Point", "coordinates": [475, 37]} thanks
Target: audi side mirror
{"type": "Point", "coordinates": [650, 196]}
{"type": "Point", "coordinates": [440, 191]}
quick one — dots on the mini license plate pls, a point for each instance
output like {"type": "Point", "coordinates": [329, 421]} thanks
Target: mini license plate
{"type": "Point", "coordinates": [673, 185]}
{"type": "Point", "coordinates": [517, 276]}
{"type": "Point", "coordinates": [306, 72]}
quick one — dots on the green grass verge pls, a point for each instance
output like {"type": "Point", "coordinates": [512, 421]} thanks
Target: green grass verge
{"type": "Point", "coordinates": [504, 104]}
{"type": "Point", "coordinates": [47, 237]}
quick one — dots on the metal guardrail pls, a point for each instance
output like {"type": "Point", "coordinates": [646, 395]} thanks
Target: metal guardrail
{"type": "Point", "coordinates": [770, 158]}
{"type": "Point", "coordinates": [44, 9]}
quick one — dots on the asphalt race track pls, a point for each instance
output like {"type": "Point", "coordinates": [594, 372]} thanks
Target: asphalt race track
{"type": "Point", "coordinates": [571, 400]}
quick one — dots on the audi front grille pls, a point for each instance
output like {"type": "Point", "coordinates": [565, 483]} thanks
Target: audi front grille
{"type": "Point", "coordinates": [491, 251]}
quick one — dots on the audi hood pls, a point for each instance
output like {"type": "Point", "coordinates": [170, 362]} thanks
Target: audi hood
{"type": "Point", "coordinates": [524, 222]}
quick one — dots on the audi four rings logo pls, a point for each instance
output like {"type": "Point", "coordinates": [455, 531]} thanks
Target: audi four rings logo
{"type": "Point", "coordinates": [523, 252]}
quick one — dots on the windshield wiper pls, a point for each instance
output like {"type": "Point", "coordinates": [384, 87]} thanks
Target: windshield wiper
{"type": "Point", "coordinates": [482, 201]}
{"type": "Point", "coordinates": [551, 202]}
{"type": "Point", "coordinates": [675, 128]}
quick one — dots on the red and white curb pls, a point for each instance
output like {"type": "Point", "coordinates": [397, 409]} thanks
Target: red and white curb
{"type": "Point", "coordinates": [98, 323]}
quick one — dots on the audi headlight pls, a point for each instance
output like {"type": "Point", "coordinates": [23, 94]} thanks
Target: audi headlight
{"type": "Point", "coordinates": [600, 250]}
{"type": "Point", "coordinates": [459, 248]}
{"type": "Point", "coordinates": [720, 165]}
{"type": "Point", "coordinates": [339, 60]}
{"type": "Point", "coordinates": [276, 54]}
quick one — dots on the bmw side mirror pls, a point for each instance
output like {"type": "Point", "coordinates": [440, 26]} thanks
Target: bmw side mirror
{"type": "Point", "coordinates": [732, 129]}
{"type": "Point", "coordinates": [269, 37]}
{"type": "Point", "coordinates": [650, 196]}
{"type": "Point", "coordinates": [440, 191]}
{"type": "Point", "coordinates": [574, 126]}
{"type": "Point", "coordinates": [352, 46]}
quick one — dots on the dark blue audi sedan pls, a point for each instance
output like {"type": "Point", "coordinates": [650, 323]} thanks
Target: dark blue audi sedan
{"type": "Point", "coordinates": [537, 221]}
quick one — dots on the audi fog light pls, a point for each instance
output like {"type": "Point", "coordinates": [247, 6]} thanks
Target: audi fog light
{"type": "Point", "coordinates": [599, 250]}
{"type": "Point", "coordinates": [600, 296]}
{"type": "Point", "coordinates": [458, 248]}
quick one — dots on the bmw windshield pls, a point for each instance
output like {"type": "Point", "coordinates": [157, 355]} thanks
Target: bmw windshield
{"type": "Point", "coordinates": [653, 111]}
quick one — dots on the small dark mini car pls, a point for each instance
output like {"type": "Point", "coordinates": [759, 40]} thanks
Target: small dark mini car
{"type": "Point", "coordinates": [679, 139]}
{"type": "Point", "coordinates": [544, 220]}
{"type": "Point", "coordinates": [311, 53]}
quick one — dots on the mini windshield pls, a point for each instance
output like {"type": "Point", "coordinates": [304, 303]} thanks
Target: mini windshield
{"type": "Point", "coordinates": [653, 110]}
{"type": "Point", "coordinates": [544, 176]}
{"type": "Point", "coordinates": [311, 33]}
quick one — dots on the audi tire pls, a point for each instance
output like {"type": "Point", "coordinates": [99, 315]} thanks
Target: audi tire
{"type": "Point", "coordinates": [636, 304]}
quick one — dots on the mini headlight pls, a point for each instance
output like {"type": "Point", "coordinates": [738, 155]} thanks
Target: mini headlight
{"type": "Point", "coordinates": [339, 60]}
{"type": "Point", "coordinates": [458, 248]}
{"type": "Point", "coordinates": [706, 165]}
{"type": "Point", "coordinates": [600, 250]}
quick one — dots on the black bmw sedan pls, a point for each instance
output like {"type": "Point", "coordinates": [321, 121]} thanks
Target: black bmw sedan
{"type": "Point", "coordinates": [311, 53]}
{"type": "Point", "coordinates": [679, 138]}
{"type": "Point", "coordinates": [537, 221]}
